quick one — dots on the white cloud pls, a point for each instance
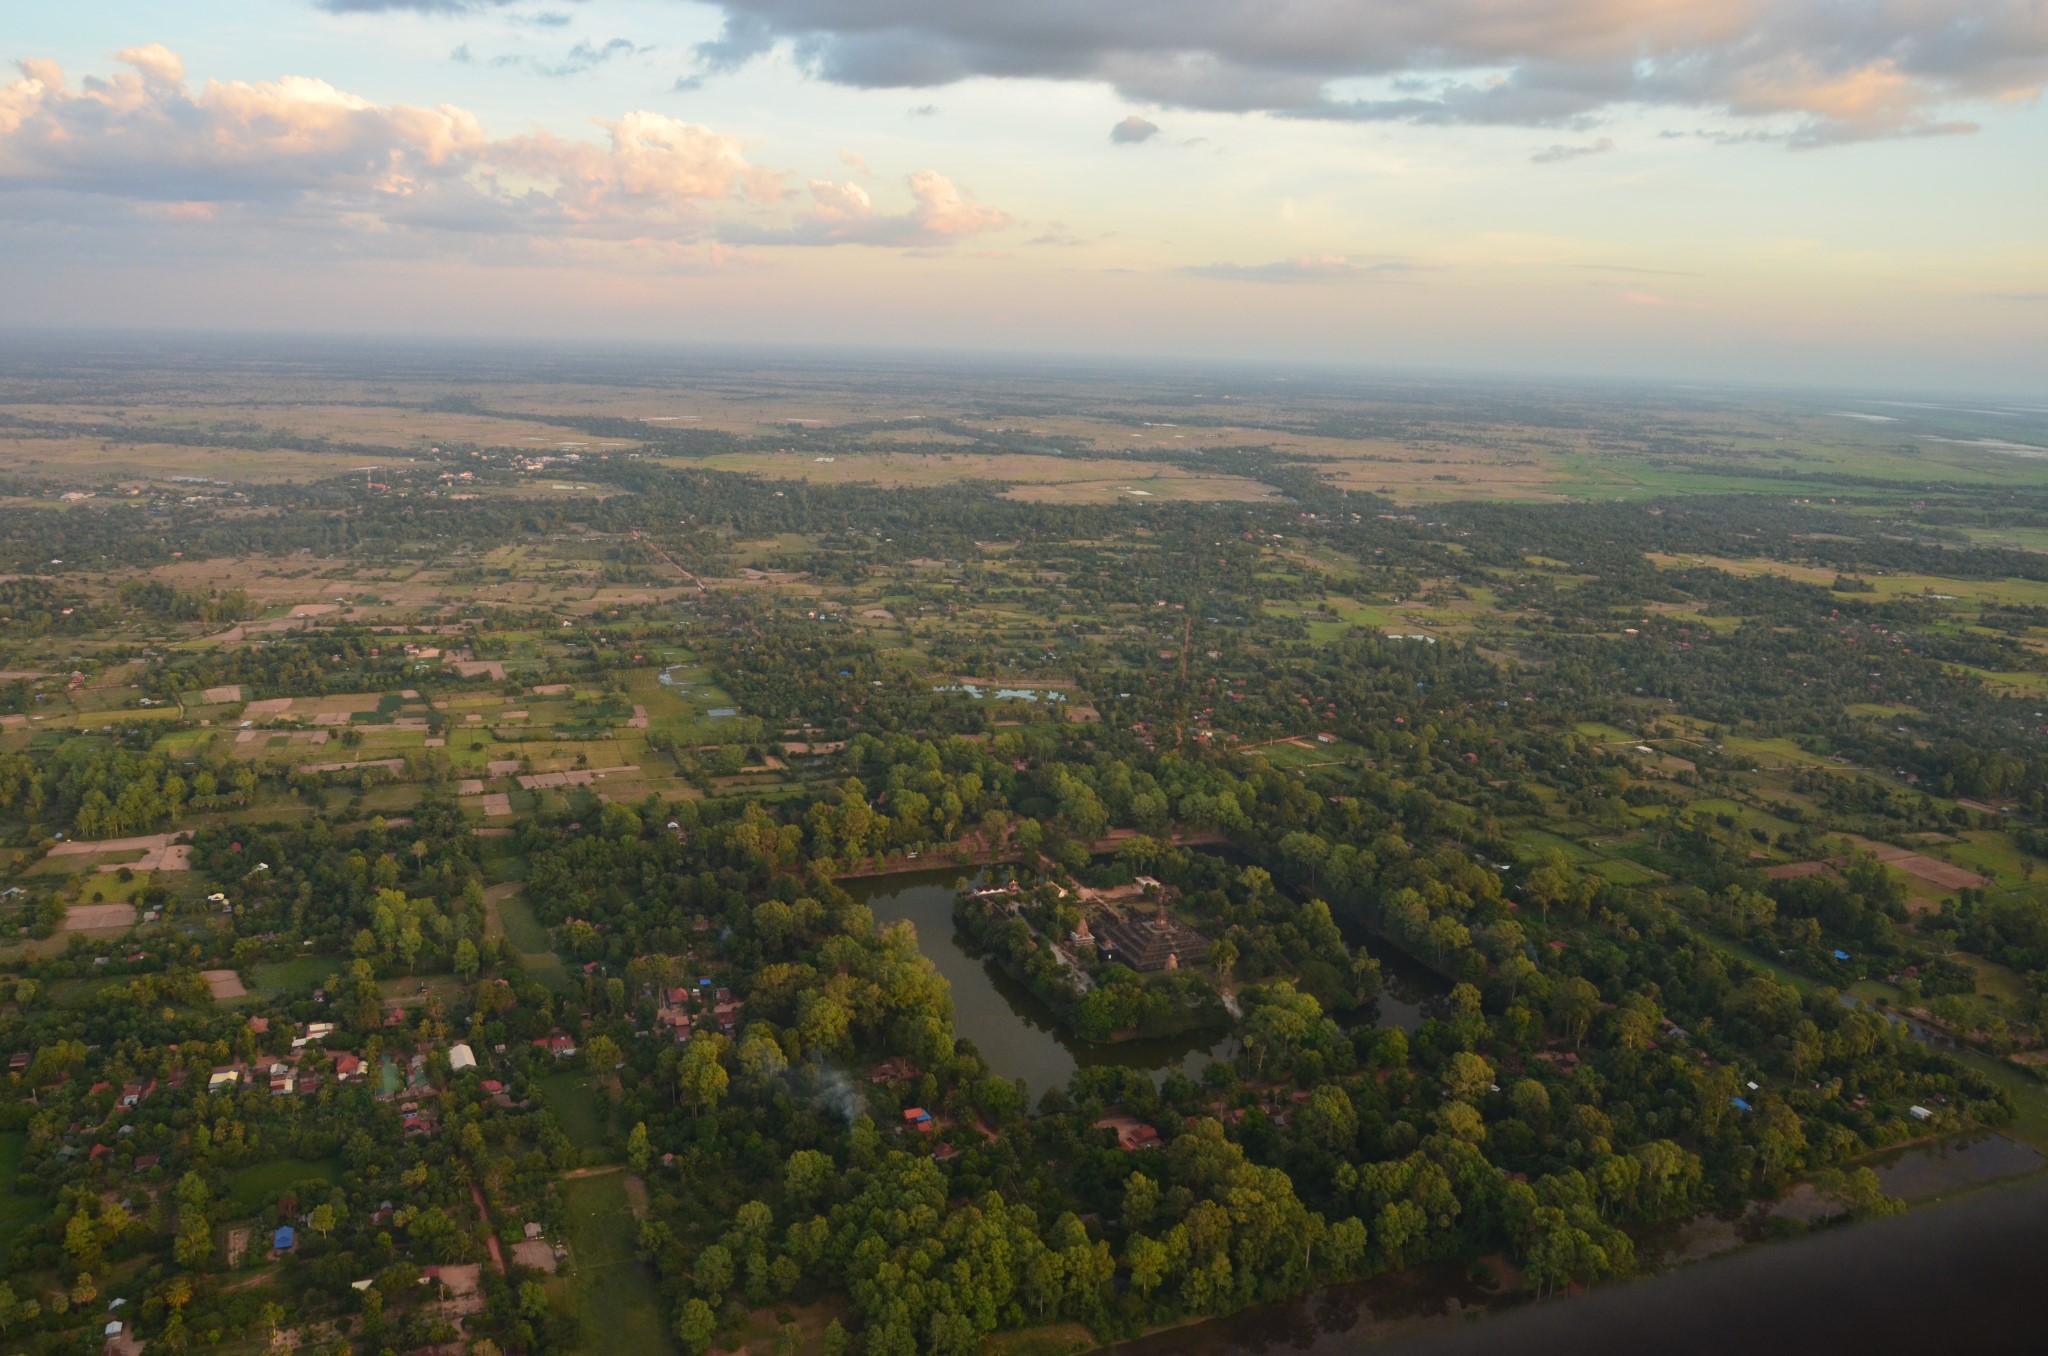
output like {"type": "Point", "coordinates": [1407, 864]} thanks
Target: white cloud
{"type": "Point", "coordinates": [300, 151]}
{"type": "Point", "coordinates": [940, 215]}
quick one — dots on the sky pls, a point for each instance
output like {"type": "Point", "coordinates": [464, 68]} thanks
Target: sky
{"type": "Point", "coordinates": [1839, 192]}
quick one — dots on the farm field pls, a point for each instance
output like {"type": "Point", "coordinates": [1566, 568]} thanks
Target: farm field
{"type": "Point", "coordinates": [485, 856]}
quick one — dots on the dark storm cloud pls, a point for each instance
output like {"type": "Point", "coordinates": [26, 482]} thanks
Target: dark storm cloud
{"type": "Point", "coordinates": [1836, 70]}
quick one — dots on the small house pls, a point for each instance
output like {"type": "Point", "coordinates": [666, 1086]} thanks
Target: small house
{"type": "Point", "coordinates": [285, 1239]}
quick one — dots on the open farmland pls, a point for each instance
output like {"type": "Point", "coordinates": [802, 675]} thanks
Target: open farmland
{"type": "Point", "coordinates": [474, 857]}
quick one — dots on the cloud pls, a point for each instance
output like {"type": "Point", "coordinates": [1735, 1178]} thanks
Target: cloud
{"type": "Point", "coordinates": [1552, 155]}
{"type": "Point", "coordinates": [300, 153]}
{"type": "Point", "coordinates": [1133, 130]}
{"type": "Point", "coordinates": [585, 56]}
{"type": "Point", "coordinates": [1307, 268]}
{"type": "Point", "coordinates": [1055, 233]}
{"type": "Point", "coordinates": [1821, 71]}
{"type": "Point", "coordinates": [1647, 272]}
{"type": "Point", "coordinates": [414, 6]}
{"type": "Point", "coordinates": [843, 214]}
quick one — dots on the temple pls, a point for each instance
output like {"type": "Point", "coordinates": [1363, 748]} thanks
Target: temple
{"type": "Point", "coordinates": [1154, 943]}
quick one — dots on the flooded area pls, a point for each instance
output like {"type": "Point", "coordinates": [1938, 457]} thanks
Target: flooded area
{"type": "Point", "coordinates": [1004, 694]}
{"type": "Point", "coordinates": [1962, 1275]}
{"type": "Point", "coordinates": [1924, 1172]}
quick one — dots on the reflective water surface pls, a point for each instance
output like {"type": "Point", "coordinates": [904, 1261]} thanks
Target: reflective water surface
{"type": "Point", "coordinates": [1013, 1031]}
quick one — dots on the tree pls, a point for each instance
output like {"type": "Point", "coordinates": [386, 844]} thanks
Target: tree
{"type": "Point", "coordinates": [82, 1240]}
{"type": "Point", "coordinates": [1574, 1006]}
{"type": "Point", "coordinates": [1858, 1191]}
{"type": "Point", "coordinates": [1223, 956]}
{"type": "Point", "coordinates": [322, 1220]}
{"type": "Point", "coordinates": [699, 1075]}
{"type": "Point", "coordinates": [697, 1326]}
{"type": "Point", "coordinates": [712, 1271]}
{"type": "Point", "coordinates": [603, 1055]}
{"type": "Point", "coordinates": [638, 1151]}
{"type": "Point", "coordinates": [1345, 1249]}
{"type": "Point", "coordinates": [1141, 1201]}
{"type": "Point", "coordinates": [1147, 1259]}
{"type": "Point", "coordinates": [1467, 1077]}
{"type": "Point", "coordinates": [806, 1177]}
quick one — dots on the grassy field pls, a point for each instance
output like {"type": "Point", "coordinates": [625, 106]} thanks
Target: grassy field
{"type": "Point", "coordinates": [616, 1300]}
{"type": "Point", "coordinates": [295, 975]}
{"type": "Point", "coordinates": [256, 1186]}
{"type": "Point", "coordinates": [578, 1109]}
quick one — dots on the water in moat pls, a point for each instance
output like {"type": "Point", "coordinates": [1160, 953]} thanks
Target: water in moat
{"type": "Point", "coordinates": [1014, 1031]}
{"type": "Point", "coordinates": [1011, 1028]}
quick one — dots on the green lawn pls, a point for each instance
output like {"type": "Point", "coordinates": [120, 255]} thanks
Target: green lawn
{"type": "Point", "coordinates": [577, 1109]}
{"type": "Point", "coordinates": [291, 976]}
{"type": "Point", "coordinates": [255, 1187]}
{"type": "Point", "coordinates": [617, 1303]}
{"type": "Point", "coordinates": [1537, 843]}
{"type": "Point", "coordinates": [1623, 872]}
{"type": "Point", "coordinates": [522, 929]}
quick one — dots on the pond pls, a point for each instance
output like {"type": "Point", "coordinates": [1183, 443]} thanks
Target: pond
{"type": "Point", "coordinates": [1011, 1028]}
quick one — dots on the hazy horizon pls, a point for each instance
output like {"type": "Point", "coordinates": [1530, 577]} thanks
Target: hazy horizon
{"type": "Point", "coordinates": [1065, 364]}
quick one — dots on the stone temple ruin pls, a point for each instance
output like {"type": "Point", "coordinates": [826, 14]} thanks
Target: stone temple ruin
{"type": "Point", "coordinates": [1157, 942]}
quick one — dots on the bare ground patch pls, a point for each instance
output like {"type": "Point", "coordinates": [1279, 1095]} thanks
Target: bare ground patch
{"type": "Point", "coordinates": [93, 917]}
{"type": "Point", "coordinates": [223, 983]}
